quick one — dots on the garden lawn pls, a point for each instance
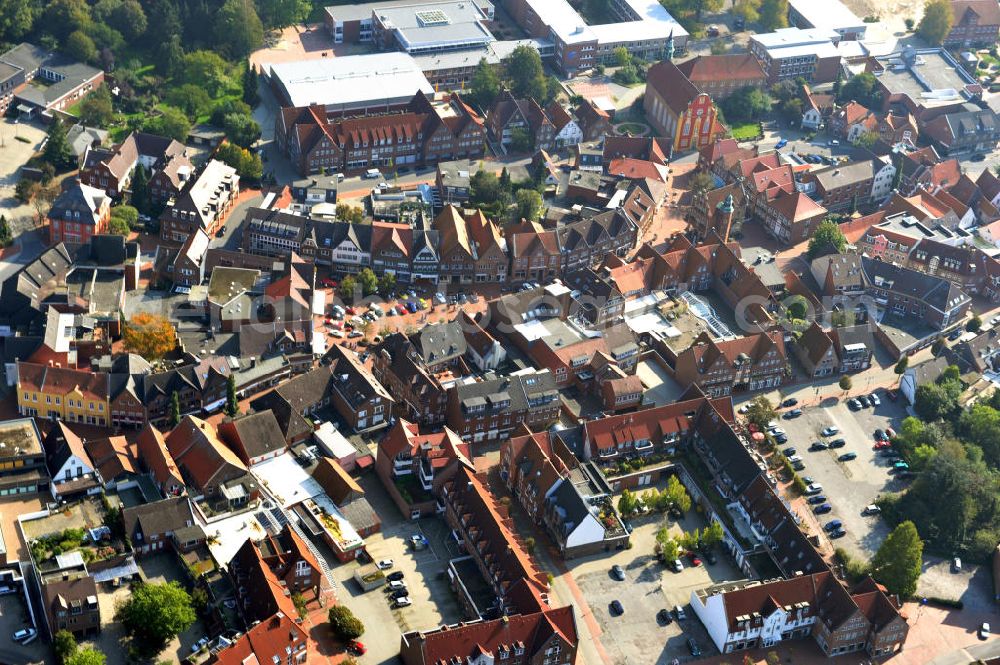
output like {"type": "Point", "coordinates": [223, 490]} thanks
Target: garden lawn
{"type": "Point", "coordinates": [751, 130]}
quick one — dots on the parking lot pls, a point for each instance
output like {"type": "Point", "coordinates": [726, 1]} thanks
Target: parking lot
{"type": "Point", "coordinates": [852, 485]}
{"type": "Point", "coordinates": [424, 572]}
{"type": "Point", "coordinates": [13, 617]}
{"type": "Point", "coordinates": [636, 636]}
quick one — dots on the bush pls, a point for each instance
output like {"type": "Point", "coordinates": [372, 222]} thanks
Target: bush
{"type": "Point", "coordinates": [345, 625]}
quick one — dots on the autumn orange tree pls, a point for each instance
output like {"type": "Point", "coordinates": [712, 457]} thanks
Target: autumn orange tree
{"type": "Point", "coordinates": [149, 335]}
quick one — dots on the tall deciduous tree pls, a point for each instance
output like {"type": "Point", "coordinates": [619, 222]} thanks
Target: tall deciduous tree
{"type": "Point", "coordinates": [368, 281]}
{"type": "Point", "coordinates": [283, 13]}
{"type": "Point", "coordinates": [171, 123]}
{"type": "Point", "coordinates": [150, 335]}
{"type": "Point", "coordinates": [57, 150]}
{"type": "Point", "coordinates": [773, 14]}
{"type": "Point", "coordinates": [238, 28]}
{"type": "Point", "coordinates": [345, 625]}
{"type": "Point", "coordinates": [896, 564]}
{"type": "Point", "coordinates": [485, 85]}
{"type": "Point", "coordinates": [936, 22]}
{"type": "Point", "coordinates": [96, 109]}
{"type": "Point", "coordinates": [527, 78]}
{"type": "Point", "coordinates": [86, 656]}
{"type": "Point", "coordinates": [761, 412]}
{"type": "Point", "coordinates": [748, 10]}
{"type": "Point", "coordinates": [827, 237]}
{"type": "Point", "coordinates": [529, 205]}
{"type": "Point", "coordinates": [154, 614]}
{"type": "Point", "coordinates": [141, 199]}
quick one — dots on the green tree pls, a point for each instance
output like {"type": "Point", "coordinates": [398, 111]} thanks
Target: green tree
{"type": "Point", "coordinates": [676, 495]}
{"type": "Point", "coordinates": [64, 17]}
{"type": "Point", "coordinates": [140, 199]}
{"type": "Point", "coordinates": [845, 383]}
{"type": "Point", "coordinates": [798, 308]}
{"type": "Point", "coordinates": [702, 181]}
{"type": "Point", "coordinates": [368, 281]}
{"type": "Point", "coordinates": [16, 19]}
{"type": "Point", "coordinates": [521, 140]}
{"type": "Point", "coordinates": [86, 656]}
{"type": "Point", "coordinates": [901, 366]}
{"type": "Point", "coordinates": [484, 86]}
{"type": "Point", "coordinates": [232, 408]}
{"type": "Point", "coordinates": [283, 13]}
{"type": "Point", "coordinates": [760, 412]}
{"type": "Point", "coordinates": [6, 236]}
{"type": "Point", "coordinates": [241, 129]}
{"type": "Point", "coordinates": [668, 548]}
{"type": "Point", "coordinates": [484, 187]}
{"type": "Point", "coordinates": [827, 237]}
{"type": "Point", "coordinates": [897, 562]}
{"type": "Point", "coordinates": [64, 645]}
{"type": "Point", "coordinates": [57, 151]}
{"type": "Point", "coordinates": [527, 77]}
{"type": "Point", "coordinates": [168, 54]}
{"type": "Point", "coordinates": [345, 625]}
{"type": "Point", "coordinates": [621, 56]}
{"type": "Point", "coordinates": [190, 98]}
{"type": "Point", "coordinates": [154, 614]}
{"type": "Point", "coordinates": [529, 205]}
{"type": "Point", "coordinates": [746, 104]}
{"type": "Point", "coordinates": [748, 10]}
{"type": "Point", "coordinates": [96, 109]}
{"type": "Point", "coordinates": [118, 226]}
{"type": "Point", "coordinates": [129, 19]}
{"type": "Point", "coordinates": [933, 401]}
{"type": "Point", "coordinates": [80, 47]}
{"type": "Point", "coordinates": [936, 22]}
{"type": "Point", "coordinates": [348, 288]}
{"type": "Point", "coordinates": [974, 324]}
{"type": "Point", "coordinates": [250, 94]}
{"type": "Point", "coordinates": [628, 503]}
{"type": "Point", "coordinates": [175, 409]}
{"type": "Point", "coordinates": [773, 14]}
{"type": "Point", "coordinates": [713, 534]}
{"type": "Point", "coordinates": [239, 28]}
{"type": "Point", "coordinates": [386, 284]}
{"type": "Point", "coordinates": [689, 539]}
{"type": "Point", "coordinates": [207, 70]}
{"type": "Point", "coordinates": [347, 213]}
{"type": "Point", "coordinates": [171, 123]}
{"type": "Point", "coordinates": [862, 88]}
{"type": "Point", "coordinates": [246, 163]}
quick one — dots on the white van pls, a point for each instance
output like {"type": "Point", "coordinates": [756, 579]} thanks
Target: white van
{"type": "Point", "coordinates": [372, 174]}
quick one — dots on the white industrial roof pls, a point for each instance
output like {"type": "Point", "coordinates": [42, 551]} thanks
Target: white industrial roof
{"type": "Point", "coordinates": [351, 80]}
{"type": "Point", "coordinates": [832, 14]}
{"type": "Point", "coordinates": [793, 37]}
{"type": "Point", "coordinates": [654, 22]}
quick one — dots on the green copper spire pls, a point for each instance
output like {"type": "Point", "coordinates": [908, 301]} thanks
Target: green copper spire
{"type": "Point", "coordinates": [670, 45]}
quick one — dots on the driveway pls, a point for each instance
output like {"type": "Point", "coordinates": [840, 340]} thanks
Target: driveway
{"type": "Point", "coordinates": [13, 617]}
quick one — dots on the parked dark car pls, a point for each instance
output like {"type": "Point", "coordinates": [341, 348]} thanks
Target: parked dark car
{"type": "Point", "coordinates": [794, 413]}
{"type": "Point", "coordinates": [791, 401]}
{"type": "Point", "coordinates": [616, 608]}
{"type": "Point", "coordinates": [838, 443]}
{"type": "Point", "coordinates": [822, 509]}
{"type": "Point", "coordinates": [818, 445]}
{"type": "Point", "coordinates": [395, 577]}
{"type": "Point", "coordinates": [847, 457]}
{"type": "Point", "coordinates": [813, 500]}
{"type": "Point", "coordinates": [663, 616]}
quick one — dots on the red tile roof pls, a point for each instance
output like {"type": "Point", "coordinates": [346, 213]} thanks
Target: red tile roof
{"type": "Point", "coordinates": [729, 67]}
{"type": "Point", "coordinates": [269, 639]}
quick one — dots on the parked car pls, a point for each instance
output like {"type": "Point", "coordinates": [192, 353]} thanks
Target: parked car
{"type": "Point", "coordinates": [357, 648]}
{"type": "Point", "coordinates": [791, 401]}
{"type": "Point", "coordinates": [832, 525]}
{"type": "Point", "coordinates": [984, 630]}
{"type": "Point", "coordinates": [780, 144]}
{"type": "Point", "coordinates": [839, 533]}
{"type": "Point", "coordinates": [403, 602]}
{"type": "Point", "coordinates": [419, 542]}
{"type": "Point", "coordinates": [395, 577]}
{"type": "Point", "coordinates": [956, 565]}
{"type": "Point", "coordinates": [788, 452]}
{"type": "Point", "coordinates": [838, 443]}
{"type": "Point", "coordinates": [831, 430]}
{"type": "Point", "coordinates": [781, 438]}
{"type": "Point", "coordinates": [385, 564]}
{"type": "Point", "coordinates": [663, 616]}
{"type": "Point", "coordinates": [822, 508]}
{"type": "Point", "coordinates": [693, 558]}
{"type": "Point", "coordinates": [618, 573]}
{"type": "Point", "coordinates": [677, 566]}
{"type": "Point", "coordinates": [847, 457]}
{"type": "Point", "coordinates": [616, 608]}
{"type": "Point", "coordinates": [23, 634]}
{"type": "Point", "coordinates": [794, 413]}
{"type": "Point", "coordinates": [880, 435]}
{"type": "Point", "coordinates": [873, 398]}
{"type": "Point", "coordinates": [900, 466]}
{"type": "Point", "coordinates": [693, 647]}
{"type": "Point", "coordinates": [679, 613]}
{"type": "Point", "coordinates": [864, 401]}
{"type": "Point", "coordinates": [814, 488]}
{"type": "Point", "coordinates": [854, 405]}
{"type": "Point", "coordinates": [816, 500]}
{"type": "Point", "coordinates": [396, 584]}
{"type": "Point", "coordinates": [871, 509]}
{"type": "Point", "coordinates": [399, 593]}
{"type": "Point", "coordinates": [818, 445]}
{"type": "Point", "coordinates": [890, 432]}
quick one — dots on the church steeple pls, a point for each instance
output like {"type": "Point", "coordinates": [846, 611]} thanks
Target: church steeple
{"type": "Point", "coordinates": [670, 45]}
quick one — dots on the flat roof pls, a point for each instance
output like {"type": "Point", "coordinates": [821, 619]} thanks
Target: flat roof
{"type": "Point", "coordinates": [795, 37]}
{"type": "Point", "coordinates": [358, 12]}
{"type": "Point", "coordinates": [827, 14]}
{"type": "Point", "coordinates": [19, 437]}
{"type": "Point", "coordinates": [933, 79]}
{"type": "Point", "coordinates": [347, 81]}
{"type": "Point", "coordinates": [455, 22]}
{"type": "Point", "coordinates": [651, 21]}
